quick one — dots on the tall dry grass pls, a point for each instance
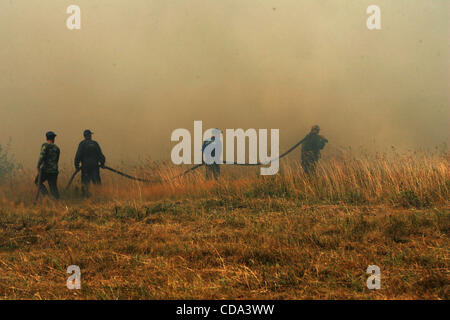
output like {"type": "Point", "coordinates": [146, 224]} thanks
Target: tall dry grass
{"type": "Point", "coordinates": [414, 179]}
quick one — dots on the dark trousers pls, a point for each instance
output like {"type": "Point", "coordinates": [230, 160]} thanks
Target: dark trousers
{"type": "Point", "coordinates": [89, 175]}
{"type": "Point", "coordinates": [309, 160]}
{"type": "Point", "coordinates": [52, 179]}
{"type": "Point", "coordinates": [212, 170]}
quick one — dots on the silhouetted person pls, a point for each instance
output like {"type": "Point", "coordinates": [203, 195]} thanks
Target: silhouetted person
{"type": "Point", "coordinates": [311, 146]}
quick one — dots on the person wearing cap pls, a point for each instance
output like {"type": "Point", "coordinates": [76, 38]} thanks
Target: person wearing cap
{"type": "Point", "coordinates": [311, 146]}
{"type": "Point", "coordinates": [91, 158]}
{"type": "Point", "coordinates": [47, 166]}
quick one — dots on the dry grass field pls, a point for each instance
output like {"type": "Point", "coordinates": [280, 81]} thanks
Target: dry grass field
{"type": "Point", "coordinates": [248, 236]}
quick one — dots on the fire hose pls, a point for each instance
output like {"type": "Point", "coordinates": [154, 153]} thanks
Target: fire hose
{"type": "Point", "coordinates": [110, 169]}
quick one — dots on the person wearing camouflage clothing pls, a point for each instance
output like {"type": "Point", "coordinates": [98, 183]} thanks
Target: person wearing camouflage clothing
{"type": "Point", "coordinates": [212, 170]}
{"type": "Point", "coordinates": [311, 146]}
{"type": "Point", "coordinates": [47, 166]}
{"type": "Point", "coordinates": [90, 155]}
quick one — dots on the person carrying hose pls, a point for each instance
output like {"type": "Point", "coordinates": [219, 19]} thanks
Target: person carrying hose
{"type": "Point", "coordinates": [91, 158]}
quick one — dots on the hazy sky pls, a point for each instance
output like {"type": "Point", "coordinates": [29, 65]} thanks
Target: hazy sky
{"type": "Point", "coordinates": [139, 69]}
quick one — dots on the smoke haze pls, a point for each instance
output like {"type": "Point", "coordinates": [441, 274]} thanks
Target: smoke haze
{"type": "Point", "coordinates": [139, 69]}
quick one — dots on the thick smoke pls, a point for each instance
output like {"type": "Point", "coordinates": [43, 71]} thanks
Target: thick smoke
{"type": "Point", "coordinates": [139, 69]}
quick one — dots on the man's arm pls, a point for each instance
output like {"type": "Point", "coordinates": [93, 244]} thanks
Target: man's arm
{"type": "Point", "coordinates": [42, 155]}
{"type": "Point", "coordinates": [323, 142]}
